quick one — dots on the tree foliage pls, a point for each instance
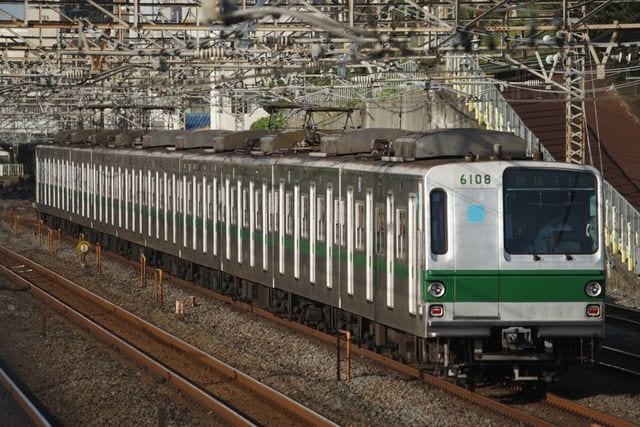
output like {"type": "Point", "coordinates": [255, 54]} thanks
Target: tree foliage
{"type": "Point", "coordinates": [275, 122]}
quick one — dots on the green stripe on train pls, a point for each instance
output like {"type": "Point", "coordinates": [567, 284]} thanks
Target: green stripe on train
{"type": "Point", "coordinates": [513, 285]}
{"type": "Point", "coordinates": [400, 269]}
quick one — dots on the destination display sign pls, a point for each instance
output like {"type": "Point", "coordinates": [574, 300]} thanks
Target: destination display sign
{"type": "Point", "coordinates": [517, 178]}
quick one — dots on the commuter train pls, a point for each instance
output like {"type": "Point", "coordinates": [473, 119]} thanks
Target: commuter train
{"type": "Point", "coordinates": [451, 248]}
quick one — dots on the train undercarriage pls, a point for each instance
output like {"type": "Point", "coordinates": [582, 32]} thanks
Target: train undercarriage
{"type": "Point", "coordinates": [507, 355]}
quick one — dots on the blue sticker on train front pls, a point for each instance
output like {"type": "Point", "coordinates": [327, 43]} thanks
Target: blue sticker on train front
{"type": "Point", "coordinates": [475, 213]}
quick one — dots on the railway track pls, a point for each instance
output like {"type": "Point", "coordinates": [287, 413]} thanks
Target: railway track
{"type": "Point", "coordinates": [22, 398]}
{"type": "Point", "coordinates": [579, 414]}
{"type": "Point", "coordinates": [232, 395]}
{"type": "Point", "coordinates": [550, 409]}
{"type": "Point", "coordinates": [623, 316]}
{"type": "Point", "coordinates": [618, 359]}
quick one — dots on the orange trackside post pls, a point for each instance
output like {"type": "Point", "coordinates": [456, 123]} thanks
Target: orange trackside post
{"type": "Point", "coordinates": [347, 335]}
{"type": "Point", "coordinates": [157, 285]}
{"type": "Point", "coordinates": [160, 286]}
{"type": "Point", "coordinates": [348, 356]}
{"type": "Point", "coordinates": [99, 258]}
{"type": "Point", "coordinates": [338, 356]}
{"type": "Point", "coordinates": [143, 271]}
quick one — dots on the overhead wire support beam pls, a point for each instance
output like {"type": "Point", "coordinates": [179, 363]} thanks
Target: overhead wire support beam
{"type": "Point", "coordinates": [574, 73]}
{"type": "Point", "coordinates": [574, 106]}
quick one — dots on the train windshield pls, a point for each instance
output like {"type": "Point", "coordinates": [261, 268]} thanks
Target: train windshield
{"type": "Point", "coordinates": [550, 211]}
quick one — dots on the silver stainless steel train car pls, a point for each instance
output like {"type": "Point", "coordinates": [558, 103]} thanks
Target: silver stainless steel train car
{"type": "Point", "coordinates": [449, 248]}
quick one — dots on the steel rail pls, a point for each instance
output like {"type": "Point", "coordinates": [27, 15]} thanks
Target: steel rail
{"type": "Point", "coordinates": [598, 417]}
{"type": "Point", "coordinates": [134, 354]}
{"type": "Point", "coordinates": [25, 403]}
{"type": "Point", "coordinates": [282, 402]}
{"type": "Point", "coordinates": [622, 360]}
{"type": "Point", "coordinates": [622, 315]}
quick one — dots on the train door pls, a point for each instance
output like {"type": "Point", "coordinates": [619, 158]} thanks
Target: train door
{"type": "Point", "coordinates": [476, 253]}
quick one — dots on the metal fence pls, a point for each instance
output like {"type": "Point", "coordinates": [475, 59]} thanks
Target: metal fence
{"type": "Point", "coordinates": [622, 225]}
{"type": "Point", "coordinates": [12, 169]}
{"type": "Point", "coordinates": [483, 98]}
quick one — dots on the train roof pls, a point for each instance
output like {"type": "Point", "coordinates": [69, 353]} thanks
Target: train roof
{"type": "Point", "coordinates": [371, 150]}
{"type": "Point", "coordinates": [392, 145]}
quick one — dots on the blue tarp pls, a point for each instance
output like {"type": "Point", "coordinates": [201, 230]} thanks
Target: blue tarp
{"type": "Point", "coordinates": [197, 120]}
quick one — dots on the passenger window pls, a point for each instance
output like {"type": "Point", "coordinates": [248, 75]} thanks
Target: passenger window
{"type": "Point", "coordinates": [337, 216]}
{"type": "Point", "coordinates": [275, 206]}
{"type": "Point", "coordinates": [232, 202]}
{"type": "Point", "coordinates": [143, 190]}
{"type": "Point", "coordinates": [381, 223]}
{"type": "Point", "coordinates": [245, 208]}
{"type": "Point", "coordinates": [270, 213]}
{"type": "Point", "coordinates": [288, 208]}
{"type": "Point", "coordinates": [322, 215]}
{"type": "Point", "coordinates": [304, 207]}
{"type": "Point", "coordinates": [343, 222]}
{"type": "Point", "coordinates": [438, 202]}
{"type": "Point", "coordinates": [359, 225]}
{"type": "Point", "coordinates": [152, 192]}
{"type": "Point", "coordinates": [179, 197]}
{"type": "Point", "coordinates": [221, 205]}
{"type": "Point", "coordinates": [401, 232]}
{"type": "Point", "coordinates": [210, 204]}
{"type": "Point", "coordinates": [258, 206]}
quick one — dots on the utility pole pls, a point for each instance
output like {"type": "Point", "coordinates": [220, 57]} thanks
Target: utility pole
{"type": "Point", "coordinates": [574, 72]}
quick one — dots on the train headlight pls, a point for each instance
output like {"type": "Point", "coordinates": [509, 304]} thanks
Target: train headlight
{"type": "Point", "coordinates": [593, 289]}
{"type": "Point", "coordinates": [437, 289]}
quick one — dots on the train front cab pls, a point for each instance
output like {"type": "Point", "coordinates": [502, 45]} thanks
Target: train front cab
{"type": "Point", "coordinates": [503, 297]}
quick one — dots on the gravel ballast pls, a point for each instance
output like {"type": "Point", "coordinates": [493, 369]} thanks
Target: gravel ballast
{"type": "Point", "coordinates": [80, 380]}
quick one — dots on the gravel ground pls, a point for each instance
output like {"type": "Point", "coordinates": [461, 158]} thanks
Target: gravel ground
{"type": "Point", "coordinates": [621, 297]}
{"type": "Point", "coordinates": [80, 380]}
{"type": "Point", "coordinates": [295, 365]}
{"type": "Point", "coordinates": [610, 392]}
